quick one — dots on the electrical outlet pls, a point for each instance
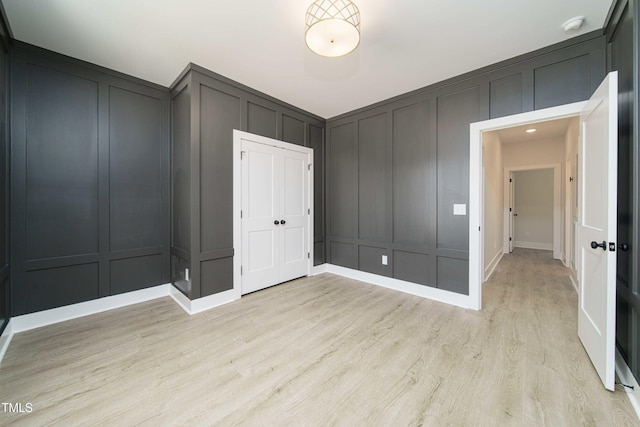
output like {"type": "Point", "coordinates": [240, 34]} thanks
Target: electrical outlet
{"type": "Point", "coordinates": [384, 260]}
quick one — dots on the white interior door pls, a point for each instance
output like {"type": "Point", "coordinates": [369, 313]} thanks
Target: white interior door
{"type": "Point", "coordinates": [275, 223]}
{"type": "Point", "coordinates": [295, 215]}
{"type": "Point", "coordinates": [597, 208]}
{"type": "Point", "coordinates": [260, 210]}
{"type": "Point", "coordinates": [512, 211]}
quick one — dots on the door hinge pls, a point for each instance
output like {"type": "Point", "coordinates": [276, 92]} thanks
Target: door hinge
{"type": "Point", "coordinates": [242, 153]}
{"type": "Point", "coordinates": [308, 211]}
{"type": "Point", "coordinates": [308, 255]}
{"type": "Point", "coordinates": [510, 180]}
{"type": "Point", "coordinates": [309, 167]}
{"type": "Point", "coordinates": [241, 270]}
{"type": "Point", "coordinates": [509, 238]}
{"type": "Point", "coordinates": [478, 228]}
{"type": "Point", "coordinates": [240, 214]}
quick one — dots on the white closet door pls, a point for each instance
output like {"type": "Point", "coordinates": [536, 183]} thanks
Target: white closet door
{"type": "Point", "coordinates": [275, 215]}
{"type": "Point", "coordinates": [295, 215]}
{"type": "Point", "coordinates": [261, 185]}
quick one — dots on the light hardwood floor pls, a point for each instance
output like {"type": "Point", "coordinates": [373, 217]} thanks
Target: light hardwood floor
{"type": "Point", "coordinates": [323, 351]}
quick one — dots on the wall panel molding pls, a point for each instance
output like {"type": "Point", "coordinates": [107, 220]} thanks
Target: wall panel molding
{"type": "Point", "coordinates": [90, 180]}
{"type": "Point", "coordinates": [428, 143]}
{"type": "Point", "coordinates": [206, 108]}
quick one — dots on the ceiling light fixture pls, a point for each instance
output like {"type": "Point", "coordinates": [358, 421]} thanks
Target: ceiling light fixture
{"type": "Point", "coordinates": [530, 130]}
{"type": "Point", "coordinates": [573, 24]}
{"type": "Point", "coordinates": [332, 27]}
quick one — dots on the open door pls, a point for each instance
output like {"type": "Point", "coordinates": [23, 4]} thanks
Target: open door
{"type": "Point", "coordinates": [597, 212]}
{"type": "Point", "coordinates": [512, 210]}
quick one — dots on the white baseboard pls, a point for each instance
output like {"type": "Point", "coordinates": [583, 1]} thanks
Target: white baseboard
{"type": "Point", "coordinates": [627, 378]}
{"type": "Point", "coordinates": [533, 245]}
{"type": "Point", "coordinates": [402, 286]}
{"type": "Point", "coordinates": [319, 269]}
{"type": "Point", "coordinates": [574, 283]}
{"type": "Point", "coordinates": [492, 265]}
{"type": "Point", "coordinates": [26, 322]}
{"type": "Point", "coordinates": [5, 339]}
{"type": "Point", "coordinates": [205, 303]}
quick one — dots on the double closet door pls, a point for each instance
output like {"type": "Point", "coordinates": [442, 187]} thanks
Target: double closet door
{"type": "Point", "coordinates": [275, 215]}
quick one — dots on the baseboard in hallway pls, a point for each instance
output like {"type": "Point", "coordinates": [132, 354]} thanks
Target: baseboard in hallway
{"type": "Point", "coordinates": [492, 265]}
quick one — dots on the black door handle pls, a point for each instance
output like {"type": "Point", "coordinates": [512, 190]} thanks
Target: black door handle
{"type": "Point", "coordinates": [283, 222]}
{"type": "Point", "coordinates": [602, 245]}
{"type": "Point", "coordinates": [276, 222]}
{"type": "Point", "coordinates": [623, 247]}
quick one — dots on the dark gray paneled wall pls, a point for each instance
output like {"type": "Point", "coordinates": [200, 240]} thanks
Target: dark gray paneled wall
{"type": "Point", "coordinates": [90, 182]}
{"type": "Point", "coordinates": [316, 141]}
{"type": "Point", "coordinates": [5, 309]}
{"type": "Point", "coordinates": [395, 169]}
{"type": "Point", "coordinates": [622, 45]}
{"type": "Point", "coordinates": [181, 171]}
{"type": "Point", "coordinates": [206, 108]}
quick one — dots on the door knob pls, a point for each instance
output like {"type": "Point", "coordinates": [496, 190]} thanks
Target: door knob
{"type": "Point", "coordinates": [623, 247]}
{"type": "Point", "coordinates": [602, 245]}
{"type": "Point", "coordinates": [283, 222]}
{"type": "Point", "coordinates": [276, 222]}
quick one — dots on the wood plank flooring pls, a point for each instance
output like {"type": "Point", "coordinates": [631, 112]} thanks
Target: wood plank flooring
{"type": "Point", "coordinates": [323, 351]}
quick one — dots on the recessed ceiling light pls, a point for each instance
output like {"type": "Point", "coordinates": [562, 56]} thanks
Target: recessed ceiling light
{"type": "Point", "coordinates": [531, 130]}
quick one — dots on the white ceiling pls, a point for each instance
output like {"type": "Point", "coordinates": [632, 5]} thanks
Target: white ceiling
{"type": "Point", "coordinates": [544, 130]}
{"type": "Point", "coordinates": [405, 45]}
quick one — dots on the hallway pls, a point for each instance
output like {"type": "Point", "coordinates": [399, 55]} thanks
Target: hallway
{"type": "Point", "coordinates": [531, 297]}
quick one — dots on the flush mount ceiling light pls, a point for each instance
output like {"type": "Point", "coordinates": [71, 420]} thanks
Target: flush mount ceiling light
{"type": "Point", "coordinates": [531, 130]}
{"type": "Point", "coordinates": [573, 24]}
{"type": "Point", "coordinates": [332, 27]}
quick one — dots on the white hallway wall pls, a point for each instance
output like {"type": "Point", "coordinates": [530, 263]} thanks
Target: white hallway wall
{"type": "Point", "coordinates": [534, 206]}
{"type": "Point", "coordinates": [496, 158]}
{"type": "Point", "coordinates": [531, 153]}
{"type": "Point", "coordinates": [493, 200]}
{"type": "Point", "coordinates": [539, 152]}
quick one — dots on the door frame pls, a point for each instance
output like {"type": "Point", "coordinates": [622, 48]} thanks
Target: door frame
{"type": "Point", "coordinates": [238, 136]}
{"type": "Point", "coordinates": [476, 231]}
{"type": "Point", "coordinates": [557, 205]}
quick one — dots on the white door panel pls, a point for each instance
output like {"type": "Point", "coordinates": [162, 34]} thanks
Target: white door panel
{"type": "Point", "coordinates": [295, 205]}
{"type": "Point", "coordinates": [275, 222]}
{"type": "Point", "coordinates": [295, 184]}
{"type": "Point", "coordinates": [260, 189]}
{"type": "Point", "coordinates": [262, 249]}
{"type": "Point", "coordinates": [596, 229]}
{"type": "Point", "coordinates": [259, 208]}
{"type": "Point", "coordinates": [294, 244]}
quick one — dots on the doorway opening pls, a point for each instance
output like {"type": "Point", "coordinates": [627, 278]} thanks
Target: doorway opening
{"type": "Point", "coordinates": [498, 148]}
{"type": "Point", "coordinates": [595, 246]}
{"type": "Point", "coordinates": [533, 209]}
